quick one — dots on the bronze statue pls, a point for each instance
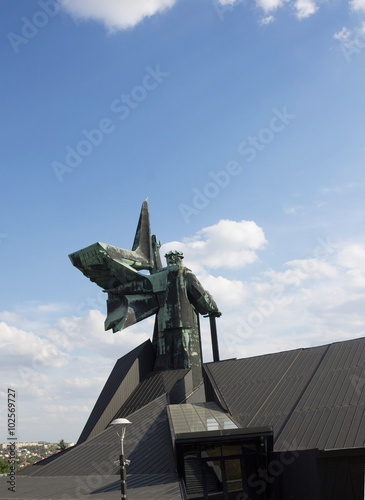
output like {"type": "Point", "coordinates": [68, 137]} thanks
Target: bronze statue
{"type": "Point", "coordinates": [173, 293]}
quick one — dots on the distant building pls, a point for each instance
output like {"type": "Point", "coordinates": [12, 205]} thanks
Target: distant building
{"type": "Point", "coordinates": [24, 464]}
{"type": "Point", "coordinates": [283, 426]}
{"type": "Point", "coordinates": [19, 444]}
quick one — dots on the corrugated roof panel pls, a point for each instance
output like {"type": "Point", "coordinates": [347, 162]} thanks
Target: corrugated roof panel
{"type": "Point", "coordinates": [333, 399]}
{"type": "Point", "coordinates": [153, 386]}
{"type": "Point", "coordinates": [308, 395]}
{"type": "Point", "coordinates": [325, 428]}
{"type": "Point", "coordinates": [197, 396]}
{"type": "Point", "coordinates": [253, 400]}
{"type": "Point", "coordinates": [334, 387]}
{"type": "Point", "coordinates": [151, 487]}
{"type": "Point", "coordinates": [317, 435]}
{"type": "Point", "coordinates": [336, 436]}
{"type": "Point", "coordinates": [351, 429]}
{"type": "Point", "coordinates": [288, 439]}
{"type": "Point", "coordinates": [358, 437]}
{"type": "Point", "coordinates": [304, 428]}
{"type": "Point", "coordinates": [357, 380]}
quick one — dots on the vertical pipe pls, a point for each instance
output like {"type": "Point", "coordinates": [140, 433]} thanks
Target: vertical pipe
{"type": "Point", "coordinates": [200, 339]}
{"type": "Point", "coordinates": [213, 331]}
{"type": "Point", "coordinates": [197, 368]}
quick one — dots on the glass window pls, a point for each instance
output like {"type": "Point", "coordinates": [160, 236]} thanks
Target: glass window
{"type": "Point", "coordinates": [213, 477]}
{"type": "Point", "coordinates": [193, 476]}
{"type": "Point", "coordinates": [233, 474]}
{"type": "Point", "coordinates": [222, 469]}
{"type": "Point", "coordinates": [251, 445]}
{"type": "Point", "coordinates": [229, 449]}
{"type": "Point", "coordinates": [211, 450]}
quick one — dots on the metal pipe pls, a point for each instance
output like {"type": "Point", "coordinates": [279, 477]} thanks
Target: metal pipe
{"type": "Point", "coordinates": [213, 331]}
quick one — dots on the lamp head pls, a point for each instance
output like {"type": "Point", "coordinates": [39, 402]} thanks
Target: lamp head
{"type": "Point", "coordinates": [123, 422]}
{"type": "Point", "coordinates": [120, 421]}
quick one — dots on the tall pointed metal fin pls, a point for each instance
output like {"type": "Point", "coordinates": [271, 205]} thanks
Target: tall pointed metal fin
{"type": "Point", "coordinates": [156, 245]}
{"type": "Point", "coordinates": [142, 241]}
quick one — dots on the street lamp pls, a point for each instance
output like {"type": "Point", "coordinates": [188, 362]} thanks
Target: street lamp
{"type": "Point", "coordinates": [123, 474]}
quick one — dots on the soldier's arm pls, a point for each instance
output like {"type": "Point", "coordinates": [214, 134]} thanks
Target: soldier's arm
{"type": "Point", "coordinates": [199, 297]}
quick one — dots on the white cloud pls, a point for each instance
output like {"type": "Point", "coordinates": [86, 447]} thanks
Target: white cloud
{"type": "Point", "coordinates": [358, 5]}
{"type": "Point", "coordinates": [312, 302]}
{"type": "Point", "coordinates": [116, 14]}
{"type": "Point", "coordinates": [87, 332]}
{"type": "Point", "coordinates": [343, 36]}
{"type": "Point", "coordinates": [64, 410]}
{"type": "Point", "coordinates": [270, 5]}
{"type": "Point", "coordinates": [301, 270]}
{"type": "Point", "coordinates": [267, 20]}
{"type": "Point", "coordinates": [353, 257]}
{"type": "Point", "coordinates": [83, 387]}
{"type": "Point", "coordinates": [227, 293]}
{"type": "Point", "coordinates": [305, 8]}
{"type": "Point", "coordinates": [29, 349]}
{"type": "Point", "coordinates": [229, 2]}
{"type": "Point", "coordinates": [228, 244]}
{"type": "Point", "coordinates": [124, 14]}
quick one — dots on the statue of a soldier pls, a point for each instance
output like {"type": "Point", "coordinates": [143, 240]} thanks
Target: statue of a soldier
{"type": "Point", "coordinates": [177, 340]}
{"type": "Point", "coordinates": [173, 293]}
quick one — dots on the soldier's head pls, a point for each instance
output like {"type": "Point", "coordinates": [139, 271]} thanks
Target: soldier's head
{"type": "Point", "coordinates": [174, 257]}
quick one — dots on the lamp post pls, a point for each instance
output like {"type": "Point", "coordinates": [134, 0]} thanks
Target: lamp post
{"type": "Point", "coordinates": [123, 474]}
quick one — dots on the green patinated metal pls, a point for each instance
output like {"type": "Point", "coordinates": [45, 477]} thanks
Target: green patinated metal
{"type": "Point", "coordinates": [173, 293]}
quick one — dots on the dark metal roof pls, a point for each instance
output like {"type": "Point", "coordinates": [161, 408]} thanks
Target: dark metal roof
{"type": "Point", "coordinates": [124, 378]}
{"type": "Point", "coordinates": [147, 444]}
{"type": "Point", "coordinates": [146, 486]}
{"type": "Point", "coordinates": [312, 397]}
{"type": "Point", "coordinates": [197, 395]}
{"type": "Point", "coordinates": [153, 386]}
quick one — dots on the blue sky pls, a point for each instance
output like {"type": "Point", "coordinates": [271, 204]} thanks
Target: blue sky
{"type": "Point", "coordinates": [243, 124]}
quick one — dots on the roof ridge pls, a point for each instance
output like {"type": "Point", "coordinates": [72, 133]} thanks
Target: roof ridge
{"type": "Point", "coordinates": [276, 386]}
{"type": "Point", "coordinates": [277, 434]}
